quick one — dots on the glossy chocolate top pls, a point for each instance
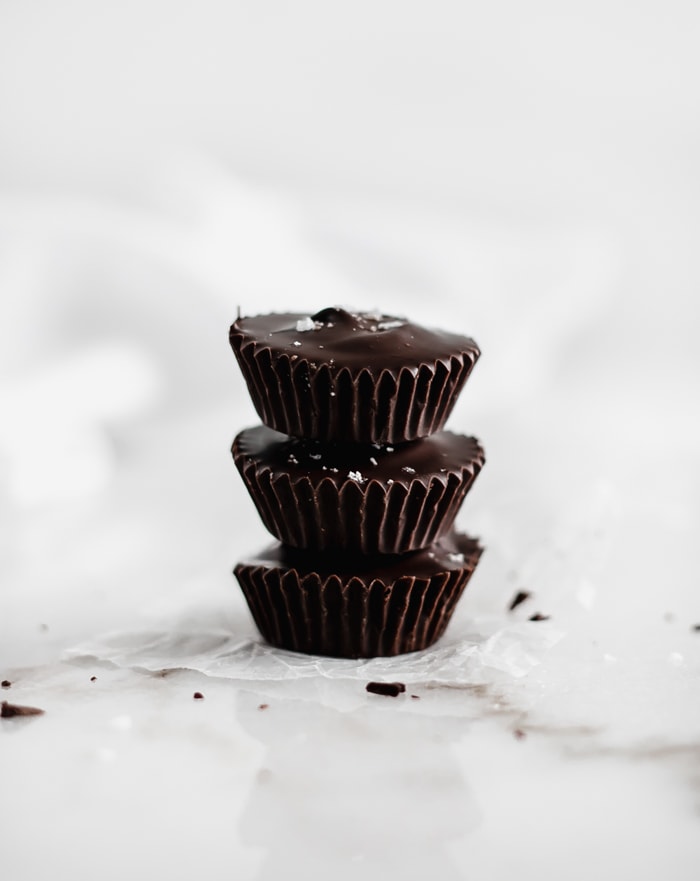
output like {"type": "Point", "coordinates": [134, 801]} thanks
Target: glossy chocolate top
{"type": "Point", "coordinates": [449, 554]}
{"type": "Point", "coordinates": [437, 456]}
{"type": "Point", "coordinates": [352, 340]}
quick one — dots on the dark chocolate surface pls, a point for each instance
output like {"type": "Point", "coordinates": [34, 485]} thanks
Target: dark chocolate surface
{"type": "Point", "coordinates": [449, 554]}
{"type": "Point", "coordinates": [357, 606]}
{"type": "Point", "coordinates": [386, 689]}
{"type": "Point", "coordinates": [436, 456]}
{"type": "Point", "coordinates": [351, 376]}
{"type": "Point", "coordinates": [8, 710]}
{"type": "Point", "coordinates": [519, 598]}
{"type": "Point", "coordinates": [352, 340]}
{"type": "Point", "coordinates": [367, 498]}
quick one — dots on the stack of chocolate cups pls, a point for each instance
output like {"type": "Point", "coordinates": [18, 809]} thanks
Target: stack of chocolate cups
{"type": "Point", "coordinates": [355, 477]}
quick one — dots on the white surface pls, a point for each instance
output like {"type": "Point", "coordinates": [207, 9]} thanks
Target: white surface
{"type": "Point", "coordinates": [525, 174]}
{"type": "Point", "coordinates": [128, 775]}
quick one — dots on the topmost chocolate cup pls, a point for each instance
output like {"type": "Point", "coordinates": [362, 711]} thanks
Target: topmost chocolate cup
{"type": "Point", "coordinates": [351, 376]}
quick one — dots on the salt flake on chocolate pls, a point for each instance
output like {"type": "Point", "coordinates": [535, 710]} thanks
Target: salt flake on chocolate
{"type": "Point", "coordinates": [307, 323]}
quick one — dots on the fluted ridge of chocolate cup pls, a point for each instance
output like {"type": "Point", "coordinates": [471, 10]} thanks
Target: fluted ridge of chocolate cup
{"type": "Point", "coordinates": [394, 509]}
{"type": "Point", "coordinates": [382, 610]}
{"type": "Point", "coordinates": [313, 396]}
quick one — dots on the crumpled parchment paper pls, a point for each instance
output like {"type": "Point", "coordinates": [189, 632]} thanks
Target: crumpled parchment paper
{"type": "Point", "coordinates": [210, 647]}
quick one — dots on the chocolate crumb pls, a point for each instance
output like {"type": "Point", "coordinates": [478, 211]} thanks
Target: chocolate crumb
{"type": "Point", "coordinates": [519, 734]}
{"type": "Point", "coordinates": [5, 683]}
{"type": "Point", "coordinates": [198, 696]}
{"type": "Point", "coordinates": [93, 678]}
{"type": "Point", "coordinates": [695, 627]}
{"type": "Point", "coordinates": [263, 706]}
{"type": "Point", "coordinates": [416, 697]}
{"type": "Point", "coordinates": [538, 616]}
{"type": "Point", "coordinates": [520, 597]}
{"type": "Point", "coordinates": [388, 689]}
{"type": "Point", "coordinates": [7, 710]}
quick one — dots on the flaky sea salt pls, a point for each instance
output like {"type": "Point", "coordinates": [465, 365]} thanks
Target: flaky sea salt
{"type": "Point", "coordinates": [408, 469]}
{"type": "Point", "coordinates": [307, 323]}
{"type": "Point", "coordinates": [315, 456]}
{"type": "Point", "coordinates": [356, 476]}
{"type": "Point", "coordinates": [296, 343]}
{"type": "Point", "coordinates": [373, 460]}
{"type": "Point", "coordinates": [389, 325]}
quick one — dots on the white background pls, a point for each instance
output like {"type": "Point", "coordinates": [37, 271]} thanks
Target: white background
{"type": "Point", "coordinates": [525, 173]}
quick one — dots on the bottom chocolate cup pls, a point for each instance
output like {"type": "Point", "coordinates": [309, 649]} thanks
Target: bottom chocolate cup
{"type": "Point", "coordinates": [353, 606]}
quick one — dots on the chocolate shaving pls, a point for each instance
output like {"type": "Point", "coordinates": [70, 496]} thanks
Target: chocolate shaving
{"type": "Point", "coordinates": [520, 597]}
{"type": "Point", "coordinates": [198, 696]}
{"type": "Point", "coordinates": [5, 683]}
{"type": "Point", "coordinates": [388, 689]}
{"type": "Point", "coordinates": [8, 710]}
{"type": "Point", "coordinates": [263, 706]}
{"type": "Point", "coordinates": [538, 616]}
{"type": "Point", "coordinates": [93, 678]}
{"type": "Point", "coordinates": [519, 734]}
{"type": "Point", "coordinates": [695, 627]}
{"type": "Point", "coordinates": [416, 697]}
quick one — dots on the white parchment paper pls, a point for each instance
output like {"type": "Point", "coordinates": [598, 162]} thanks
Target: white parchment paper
{"type": "Point", "coordinates": [211, 648]}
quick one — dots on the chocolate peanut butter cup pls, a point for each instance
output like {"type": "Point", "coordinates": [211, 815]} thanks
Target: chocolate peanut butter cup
{"type": "Point", "coordinates": [351, 376]}
{"type": "Point", "coordinates": [368, 498]}
{"type": "Point", "coordinates": [345, 605]}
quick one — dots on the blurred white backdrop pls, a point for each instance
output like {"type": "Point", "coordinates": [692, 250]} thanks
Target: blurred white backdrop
{"type": "Point", "coordinates": [525, 173]}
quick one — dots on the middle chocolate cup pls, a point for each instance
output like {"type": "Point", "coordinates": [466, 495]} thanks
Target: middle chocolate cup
{"type": "Point", "coordinates": [366, 498]}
